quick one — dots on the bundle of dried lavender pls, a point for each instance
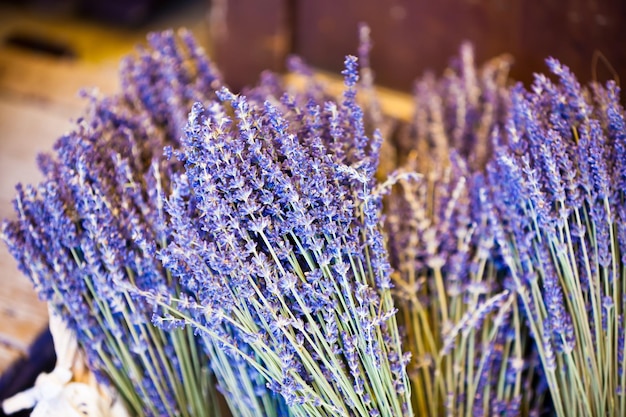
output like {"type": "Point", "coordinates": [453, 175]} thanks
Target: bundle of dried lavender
{"type": "Point", "coordinates": [276, 238]}
{"type": "Point", "coordinates": [97, 220]}
{"type": "Point", "coordinates": [258, 247]}
{"type": "Point", "coordinates": [557, 188]}
{"type": "Point", "coordinates": [462, 323]}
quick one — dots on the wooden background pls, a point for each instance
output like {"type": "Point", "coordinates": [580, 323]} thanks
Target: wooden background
{"type": "Point", "coordinates": [411, 36]}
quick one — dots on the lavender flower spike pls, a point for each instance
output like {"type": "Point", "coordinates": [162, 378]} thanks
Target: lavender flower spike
{"type": "Point", "coordinates": [88, 233]}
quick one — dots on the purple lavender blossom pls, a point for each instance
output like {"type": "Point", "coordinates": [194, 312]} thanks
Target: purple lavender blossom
{"type": "Point", "coordinates": [275, 233]}
{"type": "Point", "coordinates": [451, 285]}
{"type": "Point", "coordinates": [459, 110]}
{"type": "Point", "coordinates": [87, 235]}
{"type": "Point", "coordinates": [565, 226]}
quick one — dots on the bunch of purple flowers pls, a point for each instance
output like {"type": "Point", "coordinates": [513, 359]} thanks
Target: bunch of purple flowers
{"type": "Point", "coordinates": [257, 246]}
{"type": "Point", "coordinates": [461, 319]}
{"type": "Point", "coordinates": [89, 236]}
{"type": "Point", "coordinates": [90, 230]}
{"type": "Point", "coordinates": [276, 241]}
{"type": "Point", "coordinates": [557, 186]}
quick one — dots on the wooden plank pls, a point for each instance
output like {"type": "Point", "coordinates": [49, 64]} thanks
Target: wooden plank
{"type": "Point", "coordinates": [573, 31]}
{"type": "Point", "coordinates": [52, 84]}
{"type": "Point", "coordinates": [408, 37]}
{"type": "Point", "coordinates": [250, 36]}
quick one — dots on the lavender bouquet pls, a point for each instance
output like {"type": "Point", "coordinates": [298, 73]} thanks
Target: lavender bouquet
{"type": "Point", "coordinates": [462, 323]}
{"type": "Point", "coordinates": [276, 234]}
{"type": "Point", "coordinates": [252, 260]}
{"type": "Point", "coordinates": [91, 229]}
{"type": "Point", "coordinates": [463, 327]}
{"type": "Point", "coordinates": [101, 210]}
{"type": "Point", "coordinates": [557, 186]}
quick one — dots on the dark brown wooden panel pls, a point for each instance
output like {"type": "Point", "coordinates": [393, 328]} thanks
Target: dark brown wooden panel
{"type": "Point", "coordinates": [411, 36]}
{"type": "Point", "coordinates": [572, 30]}
{"type": "Point", "coordinates": [408, 36]}
{"type": "Point", "coordinates": [250, 36]}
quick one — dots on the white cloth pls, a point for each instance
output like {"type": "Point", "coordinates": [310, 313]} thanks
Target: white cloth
{"type": "Point", "coordinates": [70, 390]}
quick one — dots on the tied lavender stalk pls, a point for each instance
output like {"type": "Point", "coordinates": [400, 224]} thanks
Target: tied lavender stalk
{"type": "Point", "coordinates": [275, 227]}
{"type": "Point", "coordinates": [462, 323]}
{"type": "Point", "coordinates": [91, 229]}
{"type": "Point", "coordinates": [558, 182]}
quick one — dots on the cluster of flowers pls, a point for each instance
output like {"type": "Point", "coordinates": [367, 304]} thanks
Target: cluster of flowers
{"type": "Point", "coordinates": [275, 233]}
{"type": "Point", "coordinates": [509, 253]}
{"type": "Point", "coordinates": [459, 309]}
{"type": "Point", "coordinates": [97, 220]}
{"type": "Point", "coordinates": [249, 230]}
{"type": "Point", "coordinates": [556, 188]}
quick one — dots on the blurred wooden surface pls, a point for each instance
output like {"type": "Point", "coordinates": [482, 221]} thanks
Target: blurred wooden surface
{"type": "Point", "coordinates": [250, 36]}
{"type": "Point", "coordinates": [412, 36]}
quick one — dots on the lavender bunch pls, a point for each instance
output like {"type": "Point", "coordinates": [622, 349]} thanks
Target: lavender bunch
{"type": "Point", "coordinates": [461, 319]}
{"type": "Point", "coordinates": [276, 245]}
{"type": "Point", "coordinates": [88, 233]}
{"type": "Point", "coordinates": [557, 186]}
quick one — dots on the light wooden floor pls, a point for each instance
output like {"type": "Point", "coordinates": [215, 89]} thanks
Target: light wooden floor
{"type": "Point", "coordinates": [38, 101]}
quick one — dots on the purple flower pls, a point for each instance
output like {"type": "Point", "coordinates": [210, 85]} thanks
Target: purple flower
{"type": "Point", "coordinates": [565, 141]}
